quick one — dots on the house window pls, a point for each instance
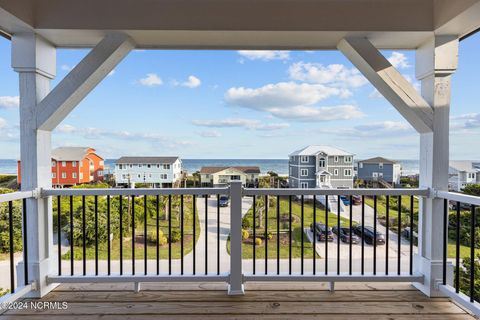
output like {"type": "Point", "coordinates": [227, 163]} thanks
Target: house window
{"type": "Point", "coordinates": [380, 165]}
{"type": "Point", "coordinates": [322, 163]}
{"type": "Point", "coordinates": [101, 163]}
{"type": "Point", "coordinates": [74, 164]}
{"type": "Point", "coordinates": [360, 165]}
{"type": "Point", "coordinates": [304, 172]}
{"type": "Point", "coordinates": [81, 164]}
{"type": "Point", "coordinates": [149, 166]}
{"type": "Point", "coordinates": [348, 159]}
{"type": "Point", "coordinates": [347, 172]}
{"type": "Point", "coordinates": [53, 163]}
{"type": "Point", "coordinates": [166, 166]}
{"type": "Point", "coordinates": [335, 159]}
{"type": "Point", "coordinates": [120, 166]}
{"type": "Point", "coordinates": [335, 172]}
{"type": "Point", "coordinates": [291, 170]}
{"type": "Point", "coordinates": [81, 175]}
{"type": "Point", "coordinates": [54, 175]}
{"type": "Point", "coordinates": [163, 176]}
{"type": "Point", "coordinates": [158, 166]}
{"type": "Point", "coordinates": [100, 173]}
{"type": "Point", "coordinates": [64, 175]}
{"type": "Point", "coordinates": [304, 185]}
{"type": "Point", "coordinates": [304, 159]}
{"type": "Point", "coordinates": [64, 164]}
{"type": "Point", "coordinates": [74, 175]}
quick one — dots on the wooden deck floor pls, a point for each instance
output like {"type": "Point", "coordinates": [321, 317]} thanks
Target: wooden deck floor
{"type": "Point", "coordinates": [262, 301]}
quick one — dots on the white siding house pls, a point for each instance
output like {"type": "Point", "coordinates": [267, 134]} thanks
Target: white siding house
{"type": "Point", "coordinates": [462, 173]}
{"type": "Point", "coordinates": [160, 172]}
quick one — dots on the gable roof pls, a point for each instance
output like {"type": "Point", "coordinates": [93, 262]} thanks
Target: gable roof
{"type": "Point", "coordinates": [316, 149]}
{"type": "Point", "coordinates": [71, 153]}
{"type": "Point", "coordinates": [211, 170]}
{"type": "Point", "coordinates": [146, 160]}
{"type": "Point", "coordinates": [379, 160]}
{"type": "Point", "coordinates": [464, 165]}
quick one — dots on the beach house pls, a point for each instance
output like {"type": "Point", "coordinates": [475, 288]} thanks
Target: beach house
{"type": "Point", "coordinates": [379, 169]}
{"type": "Point", "coordinates": [320, 167]}
{"type": "Point", "coordinates": [462, 173]}
{"type": "Point", "coordinates": [158, 172]}
{"type": "Point", "coordinates": [71, 166]}
{"type": "Point", "coordinates": [221, 176]}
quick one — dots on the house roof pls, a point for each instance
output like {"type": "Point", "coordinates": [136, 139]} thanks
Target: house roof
{"type": "Point", "coordinates": [379, 160]}
{"type": "Point", "coordinates": [314, 150]}
{"type": "Point", "coordinates": [146, 160]}
{"type": "Point", "coordinates": [71, 153]}
{"type": "Point", "coordinates": [464, 165]}
{"type": "Point", "coordinates": [210, 170]}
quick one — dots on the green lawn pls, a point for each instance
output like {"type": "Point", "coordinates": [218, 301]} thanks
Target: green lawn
{"type": "Point", "coordinates": [393, 213]}
{"type": "Point", "coordinates": [284, 224]}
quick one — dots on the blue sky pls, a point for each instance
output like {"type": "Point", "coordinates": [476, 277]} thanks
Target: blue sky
{"type": "Point", "coordinates": [243, 104]}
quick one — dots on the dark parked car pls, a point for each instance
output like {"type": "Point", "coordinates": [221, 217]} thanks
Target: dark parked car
{"type": "Point", "coordinates": [369, 235]}
{"type": "Point", "coordinates": [345, 235]}
{"type": "Point", "coordinates": [321, 232]}
{"type": "Point", "coordinates": [357, 200]}
{"type": "Point", "coordinates": [345, 200]}
{"type": "Point", "coordinates": [224, 201]}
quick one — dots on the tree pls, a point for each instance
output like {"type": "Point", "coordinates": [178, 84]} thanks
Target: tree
{"type": "Point", "coordinates": [472, 189]}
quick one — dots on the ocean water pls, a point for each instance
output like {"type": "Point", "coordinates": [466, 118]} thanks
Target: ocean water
{"type": "Point", "coordinates": [280, 166]}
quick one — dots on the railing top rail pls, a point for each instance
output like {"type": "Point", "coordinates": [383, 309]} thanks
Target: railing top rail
{"type": "Point", "coordinates": [335, 192]}
{"type": "Point", "coordinates": [460, 197]}
{"type": "Point", "coordinates": [135, 192]}
{"type": "Point", "coordinates": [16, 196]}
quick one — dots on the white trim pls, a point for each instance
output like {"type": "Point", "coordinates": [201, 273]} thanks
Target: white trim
{"type": "Point", "coordinates": [460, 298]}
{"type": "Point", "coordinates": [303, 172]}
{"type": "Point", "coordinates": [303, 165]}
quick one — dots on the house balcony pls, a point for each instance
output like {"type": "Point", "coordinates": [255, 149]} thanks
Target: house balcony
{"type": "Point", "coordinates": [199, 257]}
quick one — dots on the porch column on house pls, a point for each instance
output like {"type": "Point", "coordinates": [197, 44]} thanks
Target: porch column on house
{"type": "Point", "coordinates": [436, 61]}
{"type": "Point", "coordinates": [35, 61]}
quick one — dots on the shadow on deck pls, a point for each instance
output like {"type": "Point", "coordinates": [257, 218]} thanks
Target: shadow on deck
{"type": "Point", "coordinates": [262, 300]}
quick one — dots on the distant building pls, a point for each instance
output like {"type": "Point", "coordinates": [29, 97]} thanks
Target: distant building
{"type": "Point", "coordinates": [321, 167]}
{"type": "Point", "coordinates": [72, 166]}
{"type": "Point", "coordinates": [221, 176]}
{"type": "Point", "coordinates": [462, 173]}
{"type": "Point", "coordinates": [159, 172]}
{"type": "Point", "coordinates": [379, 169]}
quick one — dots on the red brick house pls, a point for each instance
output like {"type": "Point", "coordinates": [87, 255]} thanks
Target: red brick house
{"type": "Point", "coordinates": [72, 166]}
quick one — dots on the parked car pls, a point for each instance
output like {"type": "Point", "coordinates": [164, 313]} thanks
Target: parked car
{"type": "Point", "coordinates": [345, 235]}
{"type": "Point", "coordinates": [357, 200]}
{"type": "Point", "coordinates": [223, 201]}
{"type": "Point", "coordinates": [321, 232]}
{"type": "Point", "coordinates": [406, 233]}
{"type": "Point", "coordinates": [345, 200]}
{"type": "Point", "coordinates": [369, 235]}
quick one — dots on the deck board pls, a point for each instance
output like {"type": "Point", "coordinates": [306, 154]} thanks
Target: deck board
{"type": "Point", "coordinates": [262, 300]}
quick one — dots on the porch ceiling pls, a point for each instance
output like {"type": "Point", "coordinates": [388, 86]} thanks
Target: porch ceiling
{"type": "Point", "coordinates": [232, 24]}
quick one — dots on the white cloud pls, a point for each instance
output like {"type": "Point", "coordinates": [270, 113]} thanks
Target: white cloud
{"type": "Point", "coordinates": [192, 82]}
{"type": "Point", "coordinates": [264, 55]}
{"type": "Point", "coordinates": [97, 133]}
{"type": "Point", "coordinates": [283, 94]}
{"type": "Point", "coordinates": [9, 101]}
{"type": "Point", "coordinates": [250, 124]}
{"type": "Point", "coordinates": [337, 75]}
{"type": "Point", "coordinates": [66, 67]}
{"type": "Point", "coordinates": [3, 123]}
{"type": "Point", "coordinates": [210, 134]}
{"type": "Point", "coordinates": [151, 80]}
{"type": "Point", "coordinates": [289, 100]}
{"type": "Point", "coordinates": [399, 60]}
{"type": "Point", "coordinates": [373, 130]}
{"type": "Point", "coordinates": [465, 122]}
{"type": "Point", "coordinates": [111, 73]}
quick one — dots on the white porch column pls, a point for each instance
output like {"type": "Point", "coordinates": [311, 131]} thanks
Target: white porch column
{"type": "Point", "coordinates": [35, 61]}
{"type": "Point", "coordinates": [436, 61]}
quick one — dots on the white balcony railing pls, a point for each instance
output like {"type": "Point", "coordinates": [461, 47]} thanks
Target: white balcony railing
{"type": "Point", "coordinates": [105, 235]}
